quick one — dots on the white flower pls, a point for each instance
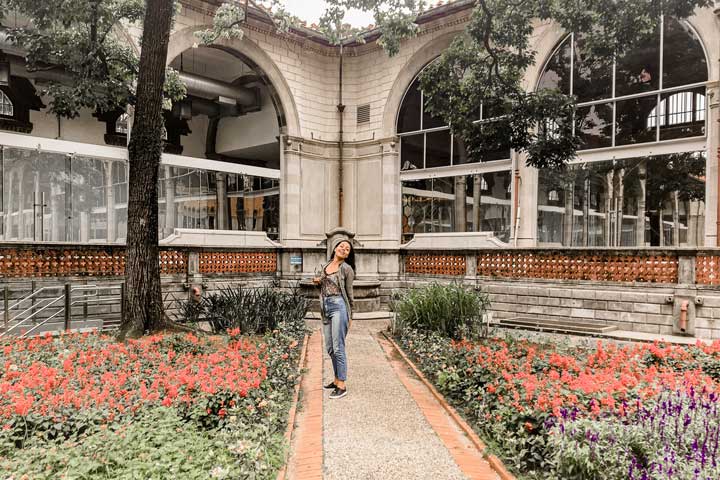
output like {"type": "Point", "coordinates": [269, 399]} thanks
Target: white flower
{"type": "Point", "coordinates": [218, 472]}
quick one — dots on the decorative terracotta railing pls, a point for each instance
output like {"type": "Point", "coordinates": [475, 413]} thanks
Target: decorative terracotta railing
{"type": "Point", "coordinates": [109, 261]}
{"type": "Point", "coordinates": [431, 264]}
{"type": "Point", "coordinates": [707, 269]}
{"type": "Point", "coordinates": [238, 262]}
{"type": "Point", "coordinates": [613, 267]}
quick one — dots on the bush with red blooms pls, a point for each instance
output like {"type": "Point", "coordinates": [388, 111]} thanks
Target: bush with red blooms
{"type": "Point", "coordinates": [515, 392]}
{"type": "Point", "coordinates": [58, 392]}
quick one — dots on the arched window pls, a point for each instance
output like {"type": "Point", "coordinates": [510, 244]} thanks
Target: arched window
{"type": "Point", "coordinates": [6, 105]}
{"type": "Point", "coordinates": [652, 93]}
{"type": "Point", "coordinates": [443, 188]}
{"type": "Point", "coordinates": [648, 95]}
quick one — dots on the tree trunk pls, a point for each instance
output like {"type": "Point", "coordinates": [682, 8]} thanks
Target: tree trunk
{"type": "Point", "coordinates": [143, 301]}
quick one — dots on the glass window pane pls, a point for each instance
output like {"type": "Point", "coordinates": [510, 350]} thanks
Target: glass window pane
{"type": "Point", "coordinates": [34, 201]}
{"type": "Point", "coordinates": [675, 204]}
{"type": "Point", "coordinates": [493, 214]}
{"type": "Point", "coordinates": [431, 122]}
{"type": "Point", "coordinates": [647, 201]}
{"type": "Point", "coordinates": [416, 206]}
{"type": "Point", "coordinates": [411, 152]}
{"type": "Point", "coordinates": [89, 196]}
{"type": "Point", "coordinates": [682, 114]}
{"type": "Point", "coordinates": [409, 116]}
{"type": "Point", "coordinates": [684, 60]}
{"type": "Point", "coordinates": [442, 214]}
{"type": "Point", "coordinates": [636, 120]}
{"type": "Point", "coordinates": [638, 70]}
{"type": "Point", "coordinates": [593, 75]}
{"type": "Point", "coordinates": [437, 153]}
{"type": "Point", "coordinates": [556, 75]}
{"type": "Point", "coordinates": [551, 207]}
{"type": "Point", "coordinates": [594, 126]}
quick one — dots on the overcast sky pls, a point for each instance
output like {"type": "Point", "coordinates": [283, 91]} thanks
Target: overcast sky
{"type": "Point", "coordinates": [311, 10]}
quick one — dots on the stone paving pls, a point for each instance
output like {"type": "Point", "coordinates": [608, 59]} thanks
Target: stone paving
{"type": "Point", "coordinates": [389, 426]}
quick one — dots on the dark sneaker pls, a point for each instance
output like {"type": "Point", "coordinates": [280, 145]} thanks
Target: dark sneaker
{"type": "Point", "coordinates": [330, 386]}
{"type": "Point", "coordinates": [338, 393]}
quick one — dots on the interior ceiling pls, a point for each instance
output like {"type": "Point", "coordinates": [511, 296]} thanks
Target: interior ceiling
{"type": "Point", "coordinates": [211, 63]}
{"type": "Point", "coordinates": [267, 153]}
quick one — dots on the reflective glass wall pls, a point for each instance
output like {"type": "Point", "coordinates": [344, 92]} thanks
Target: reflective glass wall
{"type": "Point", "coordinates": [56, 197]}
{"type": "Point", "coordinates": [466, 203]}
{"type": "Point", "coordinates": [646, 201]}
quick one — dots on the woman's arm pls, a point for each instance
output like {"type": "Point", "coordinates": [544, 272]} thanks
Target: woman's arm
{"type": "Point", "coordinates": [349, 278]}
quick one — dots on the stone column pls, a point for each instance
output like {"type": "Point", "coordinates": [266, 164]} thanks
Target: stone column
{"type": "Point", "coordinates": [713, 157]}
{"type": "Point", "coordinates": [569, 214]}
{"type": "Point", "coordinates": [640, 232]}
{"type": "Point", "coordinates": [170, 208]}
{"type": "Point", "coordinates": [527, 231]}
{"type": "Point", "coordinates": [460, 203]}
{"type": "Point", "coordinates": [620, 206]}
{"type": "Point", "coordinates": [477, 203]}
{"type": "Point", "coordinates": [110, 202]}
{"type": "Point", "coordinates": [57, 209]}
{"type": "Point", "coordinates": [609, 196]}
{"type": "Point", "coordinates": [676, 218]}
{"type": "Point", "coordinates": [222, 201]}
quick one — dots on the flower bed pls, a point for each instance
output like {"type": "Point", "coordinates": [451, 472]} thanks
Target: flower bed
{"type": "Point", "coordinates": [554, 412]}
{"type": "Point", "coordinates": [164, 406]}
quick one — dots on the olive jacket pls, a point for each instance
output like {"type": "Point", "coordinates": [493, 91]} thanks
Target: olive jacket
{"type": "Point", "coordinates": [346, 277]}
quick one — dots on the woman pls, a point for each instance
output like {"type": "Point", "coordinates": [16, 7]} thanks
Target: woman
{"type": "Point", "coordinates": [336, 302]}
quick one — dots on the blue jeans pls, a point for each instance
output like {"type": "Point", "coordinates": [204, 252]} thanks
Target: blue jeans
{"type": "Point", "coordinates": [335, 329]}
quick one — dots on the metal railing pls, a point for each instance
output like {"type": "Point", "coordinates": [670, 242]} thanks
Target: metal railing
{"type": "Point", "coordinates": [81, 307]}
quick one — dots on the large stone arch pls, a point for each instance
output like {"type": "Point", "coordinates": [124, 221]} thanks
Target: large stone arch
{"type": "Point", "coordinates": [424, 54]}
{"type": "Point", "coordinates": [185, 39]}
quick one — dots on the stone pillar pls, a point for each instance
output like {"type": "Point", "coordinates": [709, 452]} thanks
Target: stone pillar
{"type": "Point", "coordinates": [110, 202]}
{"type": "Point", "coordinates": [642, 178]}
{"type": "Point", "coordinates": [569, 214]}
{"type": "Point", "coordinates": [84, 227]}
{"type": "Point", "coordinates": [586, 212]}
{"type": "Point", "coordinates": [460, 203]}
{"type": "Point", "coordinates": [676, 218]}
{"type": "Point", "coordinates": [222, 201]}
{"type": "Point", "coordinates": [477, 203]}
{"type": "Point", "coordinates": [609, 194]}
{"type": "Point", "coordinates": [57, 209]}
{"type": "Point", "coordinates": [620, 207]}
{"type": "Point", "coordinates": [527, 231]}
{"type": "Point", "coordinates": [392, 194]}
{"type": "Point", "coordinates": [170, 207]}
{"type": "Point", "coordinates": [713, 157]}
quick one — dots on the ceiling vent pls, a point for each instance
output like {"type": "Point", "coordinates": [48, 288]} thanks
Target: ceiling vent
{"type": "Point", "coordinates": [363, 114]}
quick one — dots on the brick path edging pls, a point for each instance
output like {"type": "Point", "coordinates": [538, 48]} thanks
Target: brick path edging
{"type": "Point", "coordinates": [293, 410]}
{"type": "Point", "coordinates": [493, 460]}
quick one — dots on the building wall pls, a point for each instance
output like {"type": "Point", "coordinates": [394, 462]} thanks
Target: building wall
{"type": "Point", "coordinates": [305, 75]}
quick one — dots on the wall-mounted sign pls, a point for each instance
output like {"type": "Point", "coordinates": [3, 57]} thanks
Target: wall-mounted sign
{"type": "Point", "coordinates": [295, 259]}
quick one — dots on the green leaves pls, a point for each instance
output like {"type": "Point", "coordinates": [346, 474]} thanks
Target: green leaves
{"type": "Point", "coordinates": [79, 52]}
{"type": "Point", "coordinates": [487, 66]}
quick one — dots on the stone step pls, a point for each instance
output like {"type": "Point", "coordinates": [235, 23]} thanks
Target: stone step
{"type": "Point", "coordinates": [555, 325]}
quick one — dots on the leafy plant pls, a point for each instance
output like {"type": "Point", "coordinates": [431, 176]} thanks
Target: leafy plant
{"type": "Point", "coordinates": [254, 311]}
{"type": "Point", "coordinates": [452, 310]}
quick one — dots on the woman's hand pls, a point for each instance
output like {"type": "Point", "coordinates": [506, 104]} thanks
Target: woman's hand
{"type": "Point", "coordinates": [316, 280]}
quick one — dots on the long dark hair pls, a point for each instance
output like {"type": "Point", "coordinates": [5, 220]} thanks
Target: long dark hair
{"type": "Point", "coordinates": [350, 260]}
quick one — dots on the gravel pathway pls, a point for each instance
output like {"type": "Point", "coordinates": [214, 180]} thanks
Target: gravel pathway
{"type": "Point", "coordinates": [377, 431]}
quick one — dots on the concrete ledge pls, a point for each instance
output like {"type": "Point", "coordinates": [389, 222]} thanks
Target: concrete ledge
{"type": "Point", "coordinates": [442, 241]}
{"type": "Point", "coordinates": [218, 238]}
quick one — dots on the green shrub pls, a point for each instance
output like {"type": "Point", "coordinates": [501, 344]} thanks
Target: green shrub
{"type": "Point", "coordinates": [452, 310]}
{"type": "Point", "coordinates": [254, 311]}
{"type": "Point", "coordinates": [156, 445]}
